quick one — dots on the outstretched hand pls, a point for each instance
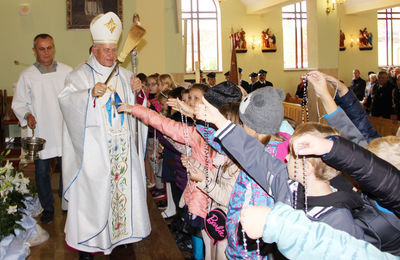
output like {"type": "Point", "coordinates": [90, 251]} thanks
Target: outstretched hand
{"type": "Point", "coordinates": [341, 88]}
{"type": "Point", "coordinates": [123, 107]}
{"type": "Point", "coordinates": [318, 82]}
{"type": "Point", "coordinates": [195, 173]}
{"type": "Point", "coordinates": [178, 105]}
{"type": "Point", "coordinates": [312, 145]}
{"type": "Point", "coordinates": [209, 113]}
{"type": "Point", "coordinates": [253, 220]}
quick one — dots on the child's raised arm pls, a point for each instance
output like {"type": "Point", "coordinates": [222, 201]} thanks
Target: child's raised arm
{"type": "Point", "coordinates": [377, 177]}
{"type": "Point", "coordinates": [209, 113]}
{"type": "Point", "coordinates": [178, 105]}
{"type": "Point", "coordinates": [312, 145]}
{"type": "Point", "coordinates": [300, 238]}
{"type": "Point", "coordinates": [269, 172]}
{"type": "Point", "coordinates": [123, 107]}
{"type": "Point", "coordinates": [335, 116]}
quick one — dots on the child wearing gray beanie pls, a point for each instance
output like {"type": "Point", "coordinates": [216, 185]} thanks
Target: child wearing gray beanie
{"type": "Point", "coordinates": [262, 110]}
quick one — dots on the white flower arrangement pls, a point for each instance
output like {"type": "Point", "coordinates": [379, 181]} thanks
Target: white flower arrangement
{"type": "Point", "coordinates": [14, 187]}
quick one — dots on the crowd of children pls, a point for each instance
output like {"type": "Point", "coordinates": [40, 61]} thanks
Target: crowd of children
{"type": "Point", "coordinates": [231, 169]}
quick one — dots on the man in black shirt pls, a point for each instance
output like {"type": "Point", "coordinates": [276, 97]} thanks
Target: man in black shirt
{"type": "Point", "coordinates": [358, 85]}
{"type": "Point", "coordinates": [226, 74]}
{"type": "Point", "coordinates": [262, 82]}
{"type": "Point", "coordinates": [253, 80]}
{"type": "Point", "coordinates": [381, 97]}
{"type": "Point", "coordinates": [211, 79]}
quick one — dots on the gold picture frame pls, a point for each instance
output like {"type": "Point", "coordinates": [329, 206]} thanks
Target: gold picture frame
{"type": "Point", "coordinates": [81, 12]}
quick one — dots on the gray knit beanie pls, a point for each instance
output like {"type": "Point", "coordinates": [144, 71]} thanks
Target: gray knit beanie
{"type": "Point", "coordinates": [262, 110]}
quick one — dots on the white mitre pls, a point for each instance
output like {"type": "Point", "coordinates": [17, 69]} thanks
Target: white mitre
{"type": "Point", "coordinates": [106, 28]}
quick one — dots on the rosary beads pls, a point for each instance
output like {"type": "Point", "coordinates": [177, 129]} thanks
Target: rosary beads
{"type": "Point", "coordinates": [304, 102]}
{"type": "Point", "coordinates": [206, 137]}
{"type": "Point", "coordinates": [187, 147]}
{"type": "Point", "coordinates": [296, 167]}
{"type": "Point", "coordinates": [305, 185]}
{"type": "Point", "coordinates": [245, 245]}
{"type": "Point", "coordinates": [296, 172]}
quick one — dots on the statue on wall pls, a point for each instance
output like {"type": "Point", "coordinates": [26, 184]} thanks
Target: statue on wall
{"type": "Point", "coordinates": [268, 41]}
{"type": "Point", "coordinates": [365, 39]}
{"type": "Point", "coordinates": [342, 37]}
{"type": "Point", "coordinates": [239, 41]}
{"type": "Point", "coordinates": [242, 39]}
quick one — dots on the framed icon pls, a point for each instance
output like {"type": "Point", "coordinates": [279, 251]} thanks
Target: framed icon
{"type": "Point", "coordinates": [81, 12]}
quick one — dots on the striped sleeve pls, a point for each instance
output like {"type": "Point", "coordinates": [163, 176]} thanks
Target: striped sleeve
{"type": "Point", "coordinates": [224, 130]}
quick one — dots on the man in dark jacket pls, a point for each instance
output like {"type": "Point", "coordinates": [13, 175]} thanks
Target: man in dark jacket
{"type": "Point", "coordinates": [253, 80]}
{"type": "Point", "coordinates": [380, 99]}
{"type": "Point", "coordinates": [262, 82]}
{"type": "Point", "coordinates": [396, 99]}
{"type": "Point", "coordinates": [358, 85]}
{"type": "Point", "coordinates": [394, 73]}
{"type": "Point", "coordinates": [226, 74]}
{"type": "Point", "coordinates": [211, 79]}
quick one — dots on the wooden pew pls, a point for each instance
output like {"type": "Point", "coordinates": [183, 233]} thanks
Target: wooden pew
{"type": "Point", "coordinates": [7, 116]}
{"type": "Point", "coordinates": [291, 99]}
{"type": "Point", "coordinates": [384, 126]}
{"type": "Point", "coordinates": [293, 111]}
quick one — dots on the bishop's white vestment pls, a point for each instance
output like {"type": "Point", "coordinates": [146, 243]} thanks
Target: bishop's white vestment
{"type": "Point", "coordinates": [103, 164]}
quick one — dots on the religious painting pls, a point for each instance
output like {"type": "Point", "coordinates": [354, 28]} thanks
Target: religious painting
{"type": "Point", "coordinates": [239, 41]}
{"type": "Point", "coordinates": [365, 40]}
{"type": "Point", "coordinates": [342, 37]}
{"type": "Point", "coordinates": [81, 12]}
{"type": "Point", "coordinates": [268, 40]}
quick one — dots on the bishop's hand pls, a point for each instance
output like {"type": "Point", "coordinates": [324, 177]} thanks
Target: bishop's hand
{"type": "Point", "coordinates": [136, 84]}
{"type": "Point", "coordinates": [99, 89]}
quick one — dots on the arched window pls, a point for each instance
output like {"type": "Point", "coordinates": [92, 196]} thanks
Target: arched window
{"type": "Point", "coordinates": [294, 22]}
{"type": "Point", "coordinates": [389, 36]}
{"type": "Point", "coordinates": [201, 29]}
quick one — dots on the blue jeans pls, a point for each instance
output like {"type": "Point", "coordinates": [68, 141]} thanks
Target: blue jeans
{"type": "Point", "coordinates": [43, 185]}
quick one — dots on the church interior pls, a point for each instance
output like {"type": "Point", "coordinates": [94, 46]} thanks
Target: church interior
{"type": "Point", "coordinates": [163, 51]}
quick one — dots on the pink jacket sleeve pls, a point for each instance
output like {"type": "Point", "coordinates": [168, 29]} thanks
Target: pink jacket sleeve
{"type": "Point", "coordinates": [165, 125]}
{"type": "Point", "coordinates": [196, 200]}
